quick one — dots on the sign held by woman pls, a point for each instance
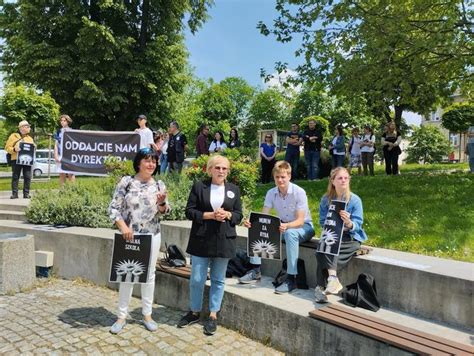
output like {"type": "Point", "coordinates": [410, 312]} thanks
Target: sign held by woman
{"type": "Point", "coordinates": [333, 228]}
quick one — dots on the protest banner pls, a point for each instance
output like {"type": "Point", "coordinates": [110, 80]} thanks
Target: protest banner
{"type": "Point", "coordinates": [26, 154]}
{"type": "Point", "coordinates": [85, 151]}
{"type": "Point", "coordinates": [333, 228]}
{"type": "Point", "coordinates": [130, 259]}
{"type": "Point", "coordinates": [264, 236]}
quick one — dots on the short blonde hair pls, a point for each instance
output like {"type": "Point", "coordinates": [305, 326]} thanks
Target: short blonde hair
{"type": "Point", "coordinates": [281, 166]}
{"type": "Point", "coordinates": [214, 160]}
{"type": "Point", "coordinates": [67, 117]}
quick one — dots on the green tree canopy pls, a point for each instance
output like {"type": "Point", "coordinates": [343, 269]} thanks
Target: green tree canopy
{"type": "Point", "coordinates": [104, 61]}
{"type": "Point", "coordinates": [406, 54]}
{"type": "Point", "coordinates": [22, 103]}
{"type": "Point", "coordinates": [458, 117]}
{"type": "Point", "coordinates": [241, 95]}
{"type": "Point", "coordinates": [217, 104]}
{"type": "Point", "coordinates": [427, 145]}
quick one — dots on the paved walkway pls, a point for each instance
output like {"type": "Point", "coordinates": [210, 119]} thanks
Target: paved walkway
{"type": "Point", "coordinates": [64, 317]}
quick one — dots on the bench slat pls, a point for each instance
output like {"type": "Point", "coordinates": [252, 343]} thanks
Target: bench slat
{"type": "Point", "coordinates": [399, 342]}
{"type": "Point", "coordinates": [184, 272]}
{"type": "Point", "coordinates": [451, 344]}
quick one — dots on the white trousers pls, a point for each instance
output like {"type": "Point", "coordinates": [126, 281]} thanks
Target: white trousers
{"type": "Point", "coordinates": [148, 288]}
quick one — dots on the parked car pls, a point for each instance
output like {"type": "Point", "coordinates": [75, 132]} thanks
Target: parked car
{"type": "Point", "coordinates": [40, 167]}
{"type": "Point", "coordinates": [3, 157]}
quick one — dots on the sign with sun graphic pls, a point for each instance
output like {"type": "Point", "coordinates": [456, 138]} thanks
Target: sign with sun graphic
{"type": "Point", "coordinates": [130, 259]}
{"type": "Point", "coordinates": [264, 236]}
{"type": "Point", "coordinates": [333, 228]}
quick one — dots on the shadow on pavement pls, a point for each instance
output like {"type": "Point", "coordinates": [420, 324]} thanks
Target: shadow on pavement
{"type": "Point", "coordinates": [81, 318]}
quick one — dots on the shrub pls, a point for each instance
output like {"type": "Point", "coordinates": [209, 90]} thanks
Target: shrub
{"type": "Point", "coordinates": [178, 188]}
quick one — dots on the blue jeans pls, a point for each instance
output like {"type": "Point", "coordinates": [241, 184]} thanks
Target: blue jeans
{"type": "Point", "coordinates": [293, 158]}
{"type": "Point", "coordinates": [198, 280]}
{"type": "Point", "coordinates": [292, 238]}
{"type": "Point", "coordinates": [163, 163]}
{"type": "Point", "coordinates": [338, 161]}
{"type": "Point", "coordinates": [312, 163]}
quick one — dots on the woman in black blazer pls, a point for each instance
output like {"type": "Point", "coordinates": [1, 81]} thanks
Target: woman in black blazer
{"type": "Point", "coordinates": [215, 209]}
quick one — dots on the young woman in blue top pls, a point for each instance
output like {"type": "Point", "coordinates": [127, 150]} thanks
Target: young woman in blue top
{"type": "Point", "coordinates": [267, 158]}
{"type": "Point", "coordinates": [338, 148]}
{"type": "Point", "coordinates": [352, 237]}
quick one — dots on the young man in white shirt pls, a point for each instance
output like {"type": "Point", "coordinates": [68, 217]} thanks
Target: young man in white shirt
{"type": "Point", "coordinates": [291, 204]}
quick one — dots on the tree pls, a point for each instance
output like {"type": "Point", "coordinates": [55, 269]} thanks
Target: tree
{"type": "Point", "coordinates": [428, 145]}
{"type": "Point", "coordinates": [21, 103]}
{"type": "Point", "coordinates": [103, 61]}
{"type": "Point", "coordinates": [216, 104]}
{"type": "Point", "coordinates": [270, 109]}
{"type": "Point", "coordinates": [241, 95]}
{"type": "Point", "coordinates": [405, 54]}
{"type": "Point", "coordinates": [458, 117]}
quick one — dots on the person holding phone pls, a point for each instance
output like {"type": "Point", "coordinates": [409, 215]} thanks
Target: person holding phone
{"type": "Point", "coordinates": [136, 207]}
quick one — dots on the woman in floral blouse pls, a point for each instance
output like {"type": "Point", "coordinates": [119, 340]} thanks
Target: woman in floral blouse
{"type": "Point", "coordinates": [136, 207]}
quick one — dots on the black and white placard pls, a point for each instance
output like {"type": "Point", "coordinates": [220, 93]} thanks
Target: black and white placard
{"type": "Point", "coordinates": [264, 236]}
{"type": "Point", "coordinates": [26, 154]}
{"type": "Point", "coordinates": [333, 228]}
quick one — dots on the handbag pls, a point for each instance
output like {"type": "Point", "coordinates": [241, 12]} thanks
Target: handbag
{"type": "Point", "coordinates": [300, 277]}
{"type": "Point", "coordinates": [362, 293]}
{"type": "Point", "coordinates": [175, 256]}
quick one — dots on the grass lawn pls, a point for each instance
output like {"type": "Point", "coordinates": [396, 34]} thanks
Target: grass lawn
{"type": "Point", "coordinates": [426, 213]}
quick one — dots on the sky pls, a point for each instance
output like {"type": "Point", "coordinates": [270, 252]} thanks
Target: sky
{"type": "Point", "coordinates": [230, 45]}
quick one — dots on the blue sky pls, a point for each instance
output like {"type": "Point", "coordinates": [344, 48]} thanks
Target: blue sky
{"type": "Point", "coordinates": [230, 45]}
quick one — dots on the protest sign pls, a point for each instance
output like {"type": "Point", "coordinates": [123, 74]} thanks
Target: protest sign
{"type": "Point", "coordinates": [333, 228]}
{"type": "Point", "coordinates": [264, 236]}
{"type": "Point", "coordinates": [26, 154]}
{"type": "Point", "coordinates": [85, 151]}
{"type": "Point", "coordinates": [130, 259]}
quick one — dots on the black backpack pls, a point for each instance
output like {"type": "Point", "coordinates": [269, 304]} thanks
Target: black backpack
{"type": "Point", "coordinates": [283, 275]}
{"type": "Point", "coordinates": [362, 293]}
{"type": "Point", "coordinates": [239, 265]}
{"type": "Point", "coordinates": [175, 256]}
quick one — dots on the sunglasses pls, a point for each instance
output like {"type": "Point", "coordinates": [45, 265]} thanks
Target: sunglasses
{"type": "Point", "coordinates": [146, 151]}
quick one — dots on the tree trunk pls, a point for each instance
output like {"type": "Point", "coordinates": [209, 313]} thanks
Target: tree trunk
{"type": "Point", "coordinates": [398, 115]}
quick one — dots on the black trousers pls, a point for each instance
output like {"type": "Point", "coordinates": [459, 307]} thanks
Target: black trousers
{"type": "Point", "coordinates": [267, 167]}
{"type": "Point", "coordinates": [338, 263]}
{"type": "Point", "coordinates": [16, 169]}
{"type": "Point", "coordinates": [391, 161]}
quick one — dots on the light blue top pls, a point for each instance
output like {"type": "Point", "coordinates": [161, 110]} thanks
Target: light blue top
{"type": "Point", "coordinates": [286, 206]}
{"type": "Point", "coordinates": [354, 207]}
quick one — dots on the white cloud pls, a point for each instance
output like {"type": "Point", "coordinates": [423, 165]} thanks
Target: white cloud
{"type": "Point", "coordinates": [278, 80]}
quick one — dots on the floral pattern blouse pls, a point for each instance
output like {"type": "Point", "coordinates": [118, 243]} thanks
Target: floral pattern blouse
{"type": "Point", "coordinates": [136, 203]}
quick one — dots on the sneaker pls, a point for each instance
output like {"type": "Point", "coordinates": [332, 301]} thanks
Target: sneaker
{"type": "Point", "coordinates": [150, 325]}
{"type": "Point", "coordinates": [286, 287]}
{"type": "Point", "coordinates": [14, 196]}
{"type": "Point", "coordinates": [252, 276]}
{"type": "Point", "coordinates": [26, 196]}
{"type": "Point", "coordinates": [319, 295]}
{"type": "Point", "coordinates": [188, 319]}
{"type": "Point", "coordinates": [334, 286]}
{"type": "Point", "coordinates": [210, 326]}
{"type": "Point", "coordinates": [117, 327]}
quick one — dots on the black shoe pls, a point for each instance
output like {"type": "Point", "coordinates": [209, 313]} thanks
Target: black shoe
{"type": "Point", "coordinates": [210, 326]}
{"type": "Point", "coordinates": [14, 196]}
{"type": "Point", "coordinates": [26, 196]}
{"type": "Point", "coordinates": [188, 319]}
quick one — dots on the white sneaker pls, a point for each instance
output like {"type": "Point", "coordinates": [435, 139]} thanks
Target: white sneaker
{"type": "Point", "coordinates": [334, 286]}
{"type": "Point", "coordinates": [319, 295]}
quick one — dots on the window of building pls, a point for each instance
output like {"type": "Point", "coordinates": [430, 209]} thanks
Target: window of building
{"type": "Point", "coordinates": [454, 139]}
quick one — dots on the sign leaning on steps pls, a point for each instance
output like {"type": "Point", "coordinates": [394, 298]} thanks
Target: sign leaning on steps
{"type": "Point", "coordinates": [130, 259]}
{"type": "Point", "coordinates": [333, 228]}
{"type": "Point", "coordinates": [26, 154]}
{"type": "Point", "coordinates": [264, 236]}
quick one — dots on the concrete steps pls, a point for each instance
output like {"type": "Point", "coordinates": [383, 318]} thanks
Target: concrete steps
{"type": "Point", "coordinates": [12, 215]}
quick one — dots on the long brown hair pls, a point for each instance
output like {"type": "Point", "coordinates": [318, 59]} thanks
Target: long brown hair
{"type": "Point", "coordinates": [331, 192]}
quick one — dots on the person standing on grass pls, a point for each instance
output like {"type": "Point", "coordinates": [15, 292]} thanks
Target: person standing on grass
{"type": "Point", "coordinates": [164, 153]}
{"type": "Point", "coordinates": [291, 204]}
{"type": "Point", "coordinates": [177, 147]}
{"type": "Point", "coordinates": [312, 149]}
{"type": "Point", "coordinates": [353, 217]}
{"type": "Point", "coordinates": [470, 148]}
{"type": "Point", "coordinates": [267, 158]}
{"type": "Point", "coordinates": [367, 150]}
{"type": "Point", "coordinates": [391, 148]}
{"type": "Point", "coordinates": [293, 143]}
{"type": "Point", "coordinates": [136, 207]}
{"type": "Point", "coordinates": [146, 135]}
{"type": "Point", "coordinates": [65, 121]}
{"type": "Point", "coordinates": [12, 147]}
{"type": "Point", "coordinates": [215, 208]}
{"type": "Point", "coordinates": [354, 151]}
{"type": "Point", "coordinates": [202, 147]}
{"type": "Point", "coordinates": [338, 148]}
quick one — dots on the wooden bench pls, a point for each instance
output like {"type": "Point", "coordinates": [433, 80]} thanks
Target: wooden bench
{"type": "Point", "coordinates": [184, 272]}
{"type": "Point", "coordinates": [390, 333]}
{"type": "Point", "coordinates": [314, 244]}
